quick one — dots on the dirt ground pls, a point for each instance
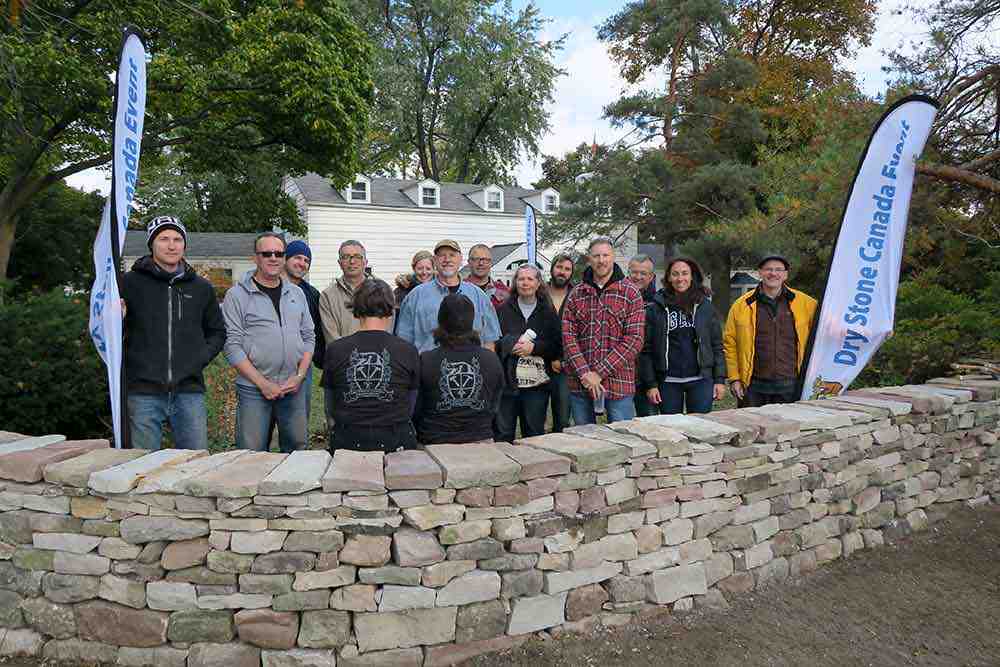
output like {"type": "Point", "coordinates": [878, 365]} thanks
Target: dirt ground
{"type": "Point", "coordinates": [933, 599]}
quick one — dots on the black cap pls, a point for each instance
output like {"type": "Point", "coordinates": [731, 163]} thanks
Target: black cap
{"type": "Point", "coordinates": [775, 256]}
{"type": "Point", "coordinates": [456, 314]}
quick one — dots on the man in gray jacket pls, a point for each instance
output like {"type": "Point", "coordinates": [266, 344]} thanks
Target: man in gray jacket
{"type": "Point", "coordinates": [270, 339]}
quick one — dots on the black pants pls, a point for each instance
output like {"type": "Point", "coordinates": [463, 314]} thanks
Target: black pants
{"type": "Point", "coordinates": [756, 399]}
{"type": "Point", "coordinates": [527, 406]}
{"type": "Point", "coordinates": [373, 438]}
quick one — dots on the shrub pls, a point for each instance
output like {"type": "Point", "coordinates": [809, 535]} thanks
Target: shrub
{"type": "Point", "coordinates": [51, 378]}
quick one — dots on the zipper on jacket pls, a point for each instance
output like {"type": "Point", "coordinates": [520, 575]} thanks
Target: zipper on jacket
{"type": "Point", "coordinates": [170, 335]}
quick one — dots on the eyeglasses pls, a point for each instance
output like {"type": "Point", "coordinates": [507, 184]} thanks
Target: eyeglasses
{"type": "Point", "coordinates": [480, 259]}
{"type": "Point", "coordinates": [271, 253]}
{"type": "Point", "coordinates": [351, 258]}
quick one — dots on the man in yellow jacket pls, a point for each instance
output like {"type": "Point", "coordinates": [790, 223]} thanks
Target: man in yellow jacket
{"type": "Point", "coordinates": [765, 337]}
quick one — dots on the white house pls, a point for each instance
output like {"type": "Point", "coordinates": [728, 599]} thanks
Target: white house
{"type": "Point", "coordinates": [395, 218]}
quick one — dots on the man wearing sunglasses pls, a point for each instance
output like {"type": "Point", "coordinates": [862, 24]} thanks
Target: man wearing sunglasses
{"type": "Point", "coordinates": [270, 340]}
{"type": "Point", "coordinates": [173, 329]}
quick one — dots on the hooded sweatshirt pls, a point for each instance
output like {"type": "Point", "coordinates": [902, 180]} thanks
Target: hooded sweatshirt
{"type": "Point", "coordinates": [173, 328]}
{"type": "Point", "coordinates": [254, 331]}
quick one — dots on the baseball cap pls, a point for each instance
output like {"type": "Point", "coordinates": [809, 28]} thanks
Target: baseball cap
{"type": "Point", "coordinates": [774, 256]}
{"type": "Point", "coordinates": [447, 243]}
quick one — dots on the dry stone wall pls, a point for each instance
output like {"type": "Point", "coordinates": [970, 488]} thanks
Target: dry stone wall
{"type": "Point", "coordinates": [427, 557]}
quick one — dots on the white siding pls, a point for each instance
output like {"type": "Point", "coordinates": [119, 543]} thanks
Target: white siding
{"type": "Point", "coordinates": [392, 235]}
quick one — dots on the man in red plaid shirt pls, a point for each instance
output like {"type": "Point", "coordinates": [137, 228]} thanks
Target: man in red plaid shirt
{"type": "Point", "coordinates": [603, 322]}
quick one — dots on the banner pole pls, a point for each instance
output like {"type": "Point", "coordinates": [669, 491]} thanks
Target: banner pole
{"type": "Point", "coordinates": [811, 342]}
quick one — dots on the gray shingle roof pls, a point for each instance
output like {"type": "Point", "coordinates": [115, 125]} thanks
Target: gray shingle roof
{"type": "Point", "coordinates": [199, 244]}
{"type": "Point", "coordinates": [389, 192]}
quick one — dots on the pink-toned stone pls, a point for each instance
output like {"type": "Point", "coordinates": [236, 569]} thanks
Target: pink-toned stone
{"type": "Point", "coordinates": [355, 471]}
{"type": "Point", "coordinates": [29, 465]}
{"type": "Point", "coordinates": [527, 545]}
{"type": "Point", "coordinates": [412, 469]}
{"type": "Point", "coordinates": [659, 498]}
{"type": "Point", "coordinates": [366, 550]}
{"type": "Point", "coordinates": [740, 582]}
{"type": "Point", "coordinates": [118, 625]}
{"type": "Point", "coordinates": [187, 553]}
{"type": "Point", "coordinates": [567, 502]}
{"type": "Point", "coordinates": [592, 500]}
{"type": "Point", "coordinates": [585, 601]}
{"type": "Point", "coordinates": [544, 486]}
{"type": "Point", "coordinates": [686, 493]}
{"type": "Point", "coordinates": [476, 496]}
{"type": "Point", "coordinates": [268, 629]}
{"type": "Point", "coordinates": [535, 463]}
{"type": "Point", "coordinates": [514, 494]}
{"type": "Point", "coordinates": [238, 479]}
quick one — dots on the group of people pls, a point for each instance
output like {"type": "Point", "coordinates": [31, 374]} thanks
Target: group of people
{"type": "Point", "coordinates": [442, 359]}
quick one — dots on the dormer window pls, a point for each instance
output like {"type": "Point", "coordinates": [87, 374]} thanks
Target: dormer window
{"type": "Point", "coordinates": [359, 191]}
{"type": "Point", "coordinates": [428, 196]}
{"type": "Point", "coordinates": [494, 200]}
{"type": "Point", "coordinates": [551, 204]}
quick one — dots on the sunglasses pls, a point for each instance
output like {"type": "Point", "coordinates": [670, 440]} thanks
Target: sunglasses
{"type": "Point", "coordinates": [271, 253]}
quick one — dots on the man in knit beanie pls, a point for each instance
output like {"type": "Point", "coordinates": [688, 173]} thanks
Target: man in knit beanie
{"type": "Point", "coordinates": [173, 329]}
{"type": "Point", "coordinates": [298, 259]}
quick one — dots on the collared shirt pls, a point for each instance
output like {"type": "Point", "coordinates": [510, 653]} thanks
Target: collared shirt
{"type": "Point", "coordinates": [495, 289]}
{"type": "Point", "coordinates": [418, 316]}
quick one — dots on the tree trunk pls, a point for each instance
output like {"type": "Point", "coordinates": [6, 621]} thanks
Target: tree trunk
{"type": "Point", "coordinates": [721, 268]}
{"type": "Point", "coordinates": [8, 224]}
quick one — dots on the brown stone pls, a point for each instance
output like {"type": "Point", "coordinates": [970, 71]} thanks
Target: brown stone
{"type": "Point", "coordinates": [585, 601]}
{"type": "Point", "coordinates": [514, 494]}
{"type": "Point", "coordinates": [29, 465]}
{"type": "Point", "coordinates": [456, 654]}
{"type": "Point", "coordinates": [366, 550]}
{"type": "Point", "coordinates": [412, 469]}
{"type": "Point", "coordinates": [535, 463]}
{"type": "Point", "coordinates": [233, 654]}
{"type": "Point", "coordinates": [740, 582]}
{"type": "Point", "coordinates": [187, 553]}
{"type": "Point", "coordinates": [268, 629]}
{"type": "Point", "coordinates": [121, 626]}
{"type": "Point", "coordinates": [476, 496]}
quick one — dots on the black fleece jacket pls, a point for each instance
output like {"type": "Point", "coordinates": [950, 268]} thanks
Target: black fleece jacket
{"type": "Point", "coordinates": [652, 364]}
{"type": "Point", "coordinates": [544, 321]}
{"type": "Point", "coordinates": [173, 328]}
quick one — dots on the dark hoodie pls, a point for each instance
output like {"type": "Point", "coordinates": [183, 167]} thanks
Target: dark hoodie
{"type": "Point", "coordinates": [173, 328]}
{"type": "Point", "coordinates": [673, 349]}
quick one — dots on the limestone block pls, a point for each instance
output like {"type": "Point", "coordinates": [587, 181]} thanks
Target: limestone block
{"type": "Point", "coordinates": [123, 591]}
{"type": "Point", "coordinates": [161, 656]}
{"type": "Point", "coordinates": [71, 542]}
{"type": "Point", "coordinates": [557, 582]}
{"type": "Point", "coordinates": [467, 466]}
{"type": "Point", "coordinates": [586, 454]}
{"type": "Point", "coordinates": [238, 478]}
{"type": "Point", "coordinates": [698, 429]}
{"type": "Point", "coordinates": [535, 463]}
{"type": "Point", "coordinates": [355, 471]}
{"type": "Point", "coordinates": [261, 542]}
{"type": "Point", "coordinates": [339, 576]}
{"type": "Point", "coordinates": [426, 517]}
{"type": "Point", "coordinates": [28, 466]}
{"type": "Point", "coordinates": [673, 583]}
{"type": "Point", "coordinates": [405, 629]}
{"type": "Point", "coordinates": [142, 529]}
{"type": "Point", "coordinates": [186, 553]}
{"type": "Point", "coordinates": [399, 598]}
{"type": "Point", "coordinates": [173, 479]}
{"type": "Point", "coordinates": [299, 473]}
{"type": "Point", "coordinates": [439, 574]}
{"type": "Point", "coordinates": [475, 586]}
{"type": "Point", "coordinates": [537, 613]}
{"type": "Point", "coordinates": [637, 446]}
{"type": "Point", "coordinates": [201, 626]}
{"type": "Point", "coordinates": [171, 596]}
{"type": "Point", "coordinates": [69, 563]}
{"type": "Point", "coordinates": [234, 654]}
{"type": "Point", "coordinates": [267, 629]}
{"type": "Point", "coordinates": [412, 469]}
{"type": "Point", "coordinates": [119, 625]}
{"type": "Point", "coordinates": [298, 657]}
{"type": "Point", "coordinates": [123, 477]}
{"type": "Point", "coordinates": [390, 574]}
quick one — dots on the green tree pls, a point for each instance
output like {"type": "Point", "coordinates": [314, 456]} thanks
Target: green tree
{"type": "Point", "coordinates": [462, 87]}
{"type": "Point", "coordinates": [737, 75]}
{"type": "Point", "coordinates": [226, 80]}
{"type": "Point", "coordinates": [54, 244]}
{"type": "Point", "coordinates": [249, 198]}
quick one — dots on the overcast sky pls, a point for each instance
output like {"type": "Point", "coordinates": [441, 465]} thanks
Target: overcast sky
{"type": "Point", "coordinates": [592, 79]}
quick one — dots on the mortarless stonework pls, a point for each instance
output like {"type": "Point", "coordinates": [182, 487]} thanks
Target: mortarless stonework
{"type": "Point", "coordinates": [424, 558]}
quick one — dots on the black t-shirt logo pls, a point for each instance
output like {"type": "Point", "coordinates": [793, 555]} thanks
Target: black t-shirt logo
{"type": "Point", "coordinates": [461, 385]}
{"type": "Point", "coordinates": [368, 376]}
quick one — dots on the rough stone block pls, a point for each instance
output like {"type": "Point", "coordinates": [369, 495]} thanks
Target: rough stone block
{"type": "Point", "coordinates": [586, 601]}
{"type": "Point", "coordinates": [240, 478]}
{"type": "Point", "coordinates": [399, 598]}
{"type": "Point", "coordinates": [586, 454]}
{"type": "Point", "coordinates": [474, 586]}
{"type": "Point", "coordinates": [28, 466]}
{"type": "Point", "coordinates": [672, 584]}
{"type": "Point", "coordinates": [366, 550]}
{"type": "Point", "coordinates": [299, 473]}
{"type": "Point", "coordinates": [537, 613]}
{"type": "Point", "coordinates": [123, 477]}
{"type": "Point", "coordinates": [119, 625]}
{"type": "Point", "coordinates": [234, 654]}
{"type": "Point", "coordinates": [201, 626]}
{"type": "Point", "coordinates": [412, 469]}
{"type": "Point", "coordinates": [267, 629]}
{"type": "Point", "coordinates": [142, 529]}
{"type": "Point", "coordinates": [405, 629]}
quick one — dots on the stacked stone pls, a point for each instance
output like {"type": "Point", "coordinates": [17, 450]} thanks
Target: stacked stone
{"type": "Point", "coordinates": [429, 557]}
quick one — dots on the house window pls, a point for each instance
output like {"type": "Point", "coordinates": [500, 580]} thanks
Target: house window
{"type": "Point", "coordinates": [551, 204]}
{"type": "Point", "coordinates": [428, 196]}
{"type": "Point", "coordinates": [359, 191]}
{"type": "Point", "coordinates": [494, 200]}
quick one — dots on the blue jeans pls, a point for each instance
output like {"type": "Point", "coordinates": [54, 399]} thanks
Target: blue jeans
{"type": "Point", "coordinates": [697, 395]}
{"type": "Point", "coordinates": [186, 413]}
{"type": "Point", "coordinates": [254, 414]}
{"type": "Point", "coordinates": [582, 407]}
{"type": "Point", "coordinates": [527, 406]}
{"type": "Point", "coordinates": [559, 392]}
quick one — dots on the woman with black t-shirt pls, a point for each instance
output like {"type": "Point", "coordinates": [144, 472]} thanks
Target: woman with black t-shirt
{"type": "Point", "coordinates": [531, 339]}
{"type": "Point", "coordinates": [460, 381]}
{"type": "Point", "coordinates": [374, 378]}
{"type": "Point", "coordinates": [682, 364]}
